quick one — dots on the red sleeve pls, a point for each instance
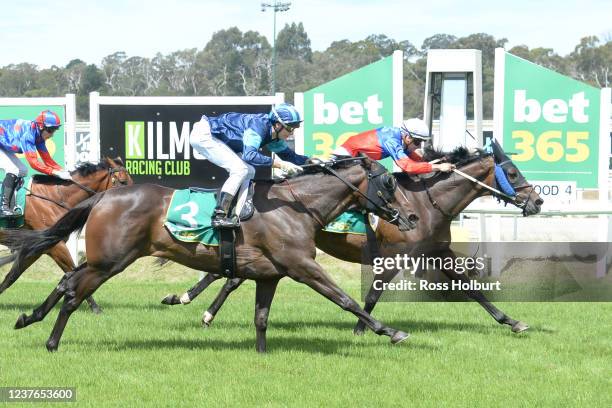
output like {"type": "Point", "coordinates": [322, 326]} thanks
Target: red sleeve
{"type": "Point", "coordinates": [36, 165]}
{"type": "Point", "coordinates": [49, 161]}
{"type": "Point", "coordinates": [415, 156]}
{"type": "Point", "coordinates": [414, 167]}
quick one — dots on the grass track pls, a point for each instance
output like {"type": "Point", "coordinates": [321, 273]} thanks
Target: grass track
{"type": "Point", "coordinates": [141, 352]}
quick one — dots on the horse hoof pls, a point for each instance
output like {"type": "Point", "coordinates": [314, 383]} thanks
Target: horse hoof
{"type": "Point", "coordinates": [358, 331]}
{"type": "Point", "coordinates": [399, 336]}
{"type": "Point", "coordinates": [207, 319]}
{"type": "Point", "coordinates": [51, 346]}
{"type": "Point", "coordinates": [519, 327]}
{"type": "Point", "coordinates": [21, 322]}
{"type": "Point", "coordinates": [170, 300]}
{"type": "Point", "coordinates": [96, 309]}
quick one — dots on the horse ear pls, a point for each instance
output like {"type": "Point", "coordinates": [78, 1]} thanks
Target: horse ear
{"type": "Point", "coordinates": [118, 160]}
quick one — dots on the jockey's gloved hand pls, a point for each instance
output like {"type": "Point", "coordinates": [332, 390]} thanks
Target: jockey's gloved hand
{"type": "Point", "coordinates": [289, 168]}
{"type": "Point", "coordinates": [315, 160]}
{"type": "Point", "coordinates": [63, 174]}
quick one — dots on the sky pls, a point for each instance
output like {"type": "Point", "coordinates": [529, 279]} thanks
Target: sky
{"type": "Point", "coordinates": [57, 32]}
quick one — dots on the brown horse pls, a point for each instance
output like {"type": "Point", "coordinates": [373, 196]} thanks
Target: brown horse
{"type": "Point", "coordinates": [437, 201]}
{"type": "Point", "coordinates": [50, 197]}
{"type": "Point", "coordinates": [126, 224]}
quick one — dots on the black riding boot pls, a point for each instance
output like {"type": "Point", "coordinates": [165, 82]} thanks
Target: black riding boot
{"type": "Point", "coordinates": [8, 188]}
{"type": "Point", "coordinates": [221, 218]}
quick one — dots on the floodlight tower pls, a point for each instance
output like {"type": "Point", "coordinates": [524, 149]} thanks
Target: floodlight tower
{"type": "Point", "coordinates": [276, 6]}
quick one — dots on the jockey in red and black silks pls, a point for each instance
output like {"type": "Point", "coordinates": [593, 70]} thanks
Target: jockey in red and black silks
{"type": "Point", "coordinates": [27, 137]}
{"type": "Point", "coordinates": [400, 144]}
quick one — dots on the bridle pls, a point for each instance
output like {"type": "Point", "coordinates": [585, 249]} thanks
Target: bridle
{"type": "Point", "coordinates": [514, 200]}
{"type": "Point", "coordinates": [112, 171]}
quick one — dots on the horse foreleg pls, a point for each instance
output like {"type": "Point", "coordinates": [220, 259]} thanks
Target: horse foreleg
{"type": "Point", "coordinates": [229, 286]}
{"type": "Point", "coordinates": [60, 254]}
{"type": "Point", "coordinates": [478, 296]}
{"type": "Point", "coordinates": [192, 293]}
{"type": "Point", "coordinates": [311, 274]}
{"type": "Point", "coordinates": [264, 294]}
{"type": "Point", "coordinates": [373, 296]}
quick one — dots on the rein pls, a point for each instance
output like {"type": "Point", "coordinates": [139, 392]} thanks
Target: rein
{"type": "Point", "coordinates": [394, 214]}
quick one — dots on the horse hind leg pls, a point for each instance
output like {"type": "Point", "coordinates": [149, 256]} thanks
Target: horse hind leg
{"type": "Point", "coordinates": [43, 310]}
{"type": "Point", "coordinates": [80, 285]}
{"type": "Point", "coordinates": [60, 254]}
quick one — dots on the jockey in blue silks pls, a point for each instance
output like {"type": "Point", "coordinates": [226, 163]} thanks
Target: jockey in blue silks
{"type": "Point", "coordinates": [27, 137]}
{"type": "Point", "coordinates": [233, 140]}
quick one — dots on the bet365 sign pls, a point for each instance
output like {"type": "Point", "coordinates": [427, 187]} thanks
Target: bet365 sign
{"type": "Point", "coordinates": [356, 102]}
{"type": "Point", "coordinates": [551, 123]}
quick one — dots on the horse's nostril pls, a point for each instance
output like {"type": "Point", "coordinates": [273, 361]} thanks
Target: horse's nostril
{"type": "Point", "coordinates": [539, 201]}
{"type": "Point", "coordinates": [413, 218]}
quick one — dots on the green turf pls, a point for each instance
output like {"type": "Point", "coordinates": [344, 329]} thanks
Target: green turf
{"type": "Point", "coordinates": [141, 352]}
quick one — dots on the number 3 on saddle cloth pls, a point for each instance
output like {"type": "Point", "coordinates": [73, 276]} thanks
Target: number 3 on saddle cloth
{"type": "Point", "coordinates": [188, 219]}
{"type": "Point", "coordinates": [18, 204]}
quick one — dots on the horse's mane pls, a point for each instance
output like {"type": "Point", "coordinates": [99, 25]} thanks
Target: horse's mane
{"type": "Point", "coordinates": [83, 170]}
{"type": "Point", "coordinates": [460, 156]}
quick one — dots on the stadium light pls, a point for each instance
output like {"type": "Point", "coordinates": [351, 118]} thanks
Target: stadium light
{"type": "Point", "coordinates": [276, 6]}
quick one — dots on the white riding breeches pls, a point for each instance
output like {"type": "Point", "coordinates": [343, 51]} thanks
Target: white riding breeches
{"type": "Point", "coordinates": [11, 164]}
{"type": "Point", "coordinates": [217, 152]}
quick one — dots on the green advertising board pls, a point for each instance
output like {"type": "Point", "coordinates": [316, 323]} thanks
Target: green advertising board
{"type": "Point", "coordinates": [55, 145]}
{"type": "Point", "coordinates": [356, 102]}
{"type": "Point", "coordinates": [551, 123]}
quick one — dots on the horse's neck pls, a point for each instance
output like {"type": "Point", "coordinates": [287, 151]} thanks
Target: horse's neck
{"type": "Point", "coordinates": [325, 197]}
{"type": "Point", "coordinates": [70, 194]}
{"type": "Point", "coordinates": [457, 192]}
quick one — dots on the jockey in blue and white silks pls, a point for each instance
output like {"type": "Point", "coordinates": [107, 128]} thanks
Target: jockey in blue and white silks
{"type": "Point", "coordinates": [27, 137]}
{"type": "Point", "coordinates": [232, 141]}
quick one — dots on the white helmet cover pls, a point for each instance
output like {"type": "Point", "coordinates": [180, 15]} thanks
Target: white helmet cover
{"type": "Point", "coordinates": [416, 128]}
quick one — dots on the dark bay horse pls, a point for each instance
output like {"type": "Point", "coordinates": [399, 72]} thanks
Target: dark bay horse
{"type": "Point", "coordinates": [436, 200]}
{"type": "Point", "coordinates": [126, 224]}
{"type": "Point", "coordinates": [50, 197]}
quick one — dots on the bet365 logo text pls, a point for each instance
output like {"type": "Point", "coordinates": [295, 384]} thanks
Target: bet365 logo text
{"type": "Point", "coordinates": [348, 113]}
{"type": "Point", "coordinates": [551, 145]}
{"type": "Point", "coordinates": [148, 151]}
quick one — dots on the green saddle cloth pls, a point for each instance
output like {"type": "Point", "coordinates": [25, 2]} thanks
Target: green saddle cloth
{"type": "Point", "coordinates": [349, 222]}
{"type": "Point", "coordinates": [188, 217]}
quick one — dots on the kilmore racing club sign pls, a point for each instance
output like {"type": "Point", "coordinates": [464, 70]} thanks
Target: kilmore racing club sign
{"type": "Point", "coordinates": [154, 142]}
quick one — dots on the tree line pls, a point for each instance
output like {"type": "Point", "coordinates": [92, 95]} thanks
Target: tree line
{"type": "Point", "coordinates": [237, 63]}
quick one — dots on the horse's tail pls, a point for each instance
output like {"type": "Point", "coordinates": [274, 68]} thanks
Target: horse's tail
{"type": "Point", "coordinates": [28, 243]}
